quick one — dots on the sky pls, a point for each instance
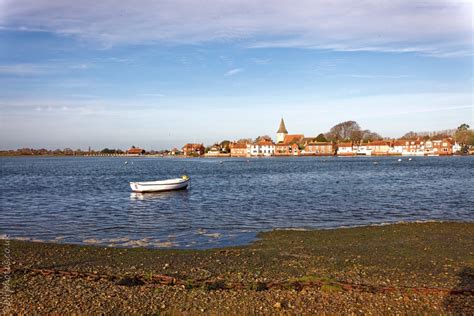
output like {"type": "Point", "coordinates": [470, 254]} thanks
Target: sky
{"type": "Point", "coordinates": [159, 74]}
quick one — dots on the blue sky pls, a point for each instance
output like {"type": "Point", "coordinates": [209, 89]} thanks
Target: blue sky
{"type": "Point", "coordinates": [158, 74]}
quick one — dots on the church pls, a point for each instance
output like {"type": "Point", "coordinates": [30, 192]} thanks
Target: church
{"type": "Point", "coordinates": [287, 144]}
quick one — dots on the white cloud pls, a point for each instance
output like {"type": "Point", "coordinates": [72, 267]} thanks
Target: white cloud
{"type": "Point", "coordinates": [438, 28]}
{"type": "Point", "coordinates": [233, 72]}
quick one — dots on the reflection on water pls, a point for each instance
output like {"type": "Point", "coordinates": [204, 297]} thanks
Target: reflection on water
{"type": "Point", "coordinates": [158, 195]}
{"type": "Point", "coordinates": [88, 200]}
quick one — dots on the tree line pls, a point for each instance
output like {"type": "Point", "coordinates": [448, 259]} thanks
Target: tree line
{"type": "Point", "coordinates": [348, 131]}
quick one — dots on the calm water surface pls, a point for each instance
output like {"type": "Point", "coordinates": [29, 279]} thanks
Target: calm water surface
{"type": "Point", "coordinates": [88, 200]}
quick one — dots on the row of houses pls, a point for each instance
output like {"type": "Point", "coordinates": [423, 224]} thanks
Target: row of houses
{"type": "Point", "coordinates": [299, 145]}
{"type": "Point", "coordinates": [417, 147]}
{"type": "Point", "coordinates": [376, 148]}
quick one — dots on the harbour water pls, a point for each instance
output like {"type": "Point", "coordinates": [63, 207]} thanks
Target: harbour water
{"type": "Point", "coordinates": [88, 200]}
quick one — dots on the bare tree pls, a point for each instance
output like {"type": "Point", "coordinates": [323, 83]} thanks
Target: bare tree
{"type": "Point", "coordinates": [351, 131]}
{"type": "Point", "coordinates": [356, 136]}
{"type": "Point", "coordinates": [244, 141]}
{"type": "Point", "coordinates": [369, 136]}
{"type": "Point", "coordinates": [264, 137]}
{"type": "Point", "coordinates": [410, 135]}
{"type": "Point", "coordinates": [343, 131]}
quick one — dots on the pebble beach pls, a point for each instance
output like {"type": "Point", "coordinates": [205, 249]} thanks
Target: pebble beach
{"type": "Point", "coordinates": [401, 268]}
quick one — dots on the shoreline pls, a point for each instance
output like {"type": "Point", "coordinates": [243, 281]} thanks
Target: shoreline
{"type": "Point", "coordinates": [229, 157]}
{"type": "Point", "coordinates": [167, 245]}
{"type": "Point", "coordinates": [397, 268]}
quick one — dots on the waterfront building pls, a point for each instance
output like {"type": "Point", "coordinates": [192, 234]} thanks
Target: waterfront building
{"type": "Point", "coordinates": [289, 146]}
{"type": "Point", "coordinates": [239, 150]}
{"type": "Point", "coordinates": [135, 151]}
{"type": "Point", "coordinates": [295, 149]}
{"type": "Point", "coordinates": [345, 149]}
{"type": "Point", "coordinates": [262, 148]}
{"type": "Point", "coordinates": [397, 147]}
{"type": "Point", "coordinates": [214, 151]}
{"type": "Point", "coordinates": [379, 147]}
{"type": "Point", "coordinates": [319, 149]}
{"type": "Point", "coordinates": [193, 149]}
{"type": "Point", "coordinates": [439, 147]}
{"type": "Point", "coordinates": [282, 149]}
{"type": "Point", "coordinates": [413, 148]}
{"type": "Point", "coordinates": [362, 149]}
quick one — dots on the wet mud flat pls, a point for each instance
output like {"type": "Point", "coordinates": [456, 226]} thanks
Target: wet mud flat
{"type": "Point", "coordinates": [400, 268]}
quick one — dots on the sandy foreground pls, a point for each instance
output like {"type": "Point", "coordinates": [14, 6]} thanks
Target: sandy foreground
{"type": "Point", "coordinates": [401, 268]}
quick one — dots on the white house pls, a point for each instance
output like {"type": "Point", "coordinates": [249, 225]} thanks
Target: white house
{"type": "Point", "coordinates": [397, 147]}
{"type": "Point", "coordinates": [363, 150]}
{"type": "Point", "coordinates": [413, 148]}
{"type": "Point", "coordinates": [345, 149]}
{"type": "Point", "coordinates": [262, 148]}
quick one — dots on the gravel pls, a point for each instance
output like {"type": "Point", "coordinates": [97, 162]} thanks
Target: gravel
{"type": "Point", "coordinates": [404, 268]}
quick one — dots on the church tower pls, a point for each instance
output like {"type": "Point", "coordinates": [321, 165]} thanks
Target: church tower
{"type": "Point", "coordinates": [282, 132]}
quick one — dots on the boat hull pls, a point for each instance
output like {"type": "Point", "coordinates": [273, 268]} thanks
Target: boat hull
{"type": "Point", "coordinates": [159, 186]}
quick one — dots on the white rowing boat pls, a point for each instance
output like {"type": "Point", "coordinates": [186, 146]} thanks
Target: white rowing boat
{"type": "Point", "coordinates": [158, 186]}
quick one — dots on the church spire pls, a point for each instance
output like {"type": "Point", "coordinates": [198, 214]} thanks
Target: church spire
{"type": "Point", "coordinates": [282, 128]}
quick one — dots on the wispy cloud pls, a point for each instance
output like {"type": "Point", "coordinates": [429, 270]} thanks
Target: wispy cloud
{"type": "Point", "coordinates": [28, 69]}
{"type": "Point", "coordinates": [373, 76]}
{"type": "Point", "coordinates": [151, 95]}
{"type": "Point", "coordinates": [260, 61]}
{"type": "Point", "coordinates": [395, 113]}
{"type": "Point", "coordinates": [233, 72]}
{"type": "Point", "coordinates": [82, 96]}
{"type": "Point", "coordinates": [435, 28]}
{"type": "Point", "coordinates": [23, 69]}
{"type": "Point", "coordinates": [80, 66]}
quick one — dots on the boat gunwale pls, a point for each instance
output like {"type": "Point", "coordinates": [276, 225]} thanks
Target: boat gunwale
{"type": "Point", "coordinates": [155, 183]}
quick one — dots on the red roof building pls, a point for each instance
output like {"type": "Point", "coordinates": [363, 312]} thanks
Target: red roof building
{"type": "Point", "coordinates": [289, 145]}
{"type": "Point", "coordinates": [193, 149]}
{"type": "Point", "coordinates": [439, 147]}
{"type": "Point", "coordinates": [136, 151]}
{"type": "Point", "coordinates": [239, 150]}
{"type": "Point", "coordinates": [379, 147]}
{"type": "Point", "coordinates": [292, 139]}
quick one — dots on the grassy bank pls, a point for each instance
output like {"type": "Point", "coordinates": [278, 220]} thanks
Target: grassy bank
{"type": "Point", "coordinates": [403, 267]}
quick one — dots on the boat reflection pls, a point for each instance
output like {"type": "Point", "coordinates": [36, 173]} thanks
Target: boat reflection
{"type": "Point", "coordinates": [135, 196]}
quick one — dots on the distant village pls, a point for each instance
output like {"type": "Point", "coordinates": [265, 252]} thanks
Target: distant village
{"type": "Point", "coordinates": [344, 139]}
